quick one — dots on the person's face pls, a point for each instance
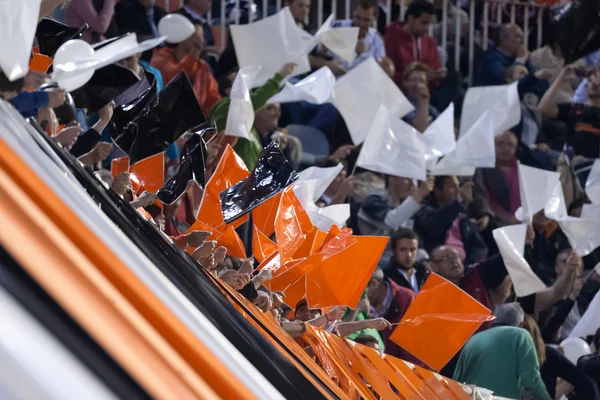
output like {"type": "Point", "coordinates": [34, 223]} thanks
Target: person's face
{"type": "Point", "coordinates": [446, 263]}
{"type": "Point", "coordinates": [405, 252]}
{"type": "Point", "coordinates": [506, 147]}
{"type": "Point", "coordinates": [303, 314]}
{"type": "Point", "coordinates": [268, 117]}
{"type": "Point", "coordinates": [413, 80]}
{"type": "Point", "coordinates": [593, 86]}
{"type": "Point", "coordinates": [519, 73]}
{"type": "Point", "coordinates": [400, 188]}
{"type": "Point", "coordinates": [512, 39]}
{"type": "Point", "coordinates": [448, 192]}
{"type": "Point", "coordinates": [419, 26]}
{"type": "Point", "coordinates": [194, 45]}
{"type": "Point", "coordinates": [299, 9]}
{"type": "Point", "coordinates": [363, 20]}
{"type": "Point", "coordinates": [201, 6]}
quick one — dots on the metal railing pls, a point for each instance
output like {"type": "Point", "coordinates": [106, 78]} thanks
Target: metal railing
{"type": "Point", "coordinates": [491, 14]}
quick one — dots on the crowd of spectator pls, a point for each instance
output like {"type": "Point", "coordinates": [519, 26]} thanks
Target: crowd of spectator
{"type": "Point", "coordinates": [442, 225]}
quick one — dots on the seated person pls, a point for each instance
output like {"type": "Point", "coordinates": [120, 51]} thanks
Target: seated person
{"type": "Point", "coordinates": [403, 268]}
{"type": "Point", "coordinates": [370, 43]}
{"type": "Point", "coordinates": [141, 17]}
{"type": "Point", "coordinates": [199, 10]}
{"type": "Point", "coordinates": [409, 41]}
{"type": "Point", "coordinates": [414, 86]}
{"type": "Point", "coordinates": [508, 51]}
{"type": "Point", "coordinates": [185, 56]}
{"type": "Point", "coordinates": [266, 129]}
{"type": "Point", "coordinates": [497, 189]}
{"type": "Point", "coordinates": [442, 220]}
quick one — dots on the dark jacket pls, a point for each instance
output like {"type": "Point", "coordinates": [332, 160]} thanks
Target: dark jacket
{"type": "Point", "coordinates": [209, 39]}
{"type": "Point", "coordinates": [392, 273]}
{"type": "Point", "coordinates": [590, 364]}
{"type": "Point", "coordinates": [558, 366]}
{"type": "Point", "coordinates": [132, 16]}
{"type": "Point", "coordinates": [433, 222]}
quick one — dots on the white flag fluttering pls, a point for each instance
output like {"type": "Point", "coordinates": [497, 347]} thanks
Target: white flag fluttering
{"type": "Point", "coordinates": [342, 42]}
{"type": "Point", "coordinates": [393, 147]}
{"type": "Point", "coordinates": [501, 101]}
{"type": "Point", "coordinates": [270, 43]}
{"type": "Point", "coordinates": [359, 93]}
{"type": "Point", "coordinates": [317, 88]}
{"type": "Point", "coordinates": [18, 22]}
{"type": "Point", "coordinates": [511, 244]}
{"type": "Point", "coordinates": [439, 136]}
{"type": "Point", "coordinates": [590, 320]}
{"type": "Point", "coordinates": [323, 177]}
{"type": "Point", "coordinates": [322, 217]}
{"type": "Point", "coordinates": [592, 184]}
{"type": "Point", "coordinates": [536, 187]}
{"type": "Point", "coordinates": [240, 116]}
{"type": "Point", "coordinates": [473, 150]}
{"type": "Point", "coordinates": [583, 233]}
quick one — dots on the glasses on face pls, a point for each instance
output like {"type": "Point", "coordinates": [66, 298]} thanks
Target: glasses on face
{"type": "Point", "coordinates": [447, 259]}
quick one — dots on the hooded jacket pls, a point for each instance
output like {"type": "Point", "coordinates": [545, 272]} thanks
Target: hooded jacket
{"type": "Point", "coordinates": [403, 48]}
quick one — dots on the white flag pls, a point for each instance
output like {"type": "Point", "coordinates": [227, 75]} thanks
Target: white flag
{"type": "Point", "coordinates": [240, 117]}
{"type": "Point", "coordinates": [270, 43]}
{"type": "Point", "coordinates": [317, 88]}
{"type": "Point", "coordinates": [322, 177]}
{"type": "Point", "coordinates": [592, 184]}
{"type": "Point", "coordinates": [590, 320]}
{"type": "Point", "coordinates": [18, 22]}
{"type": "Point", "coordinates": [342, 42]}
{"type": "Point", "coordinates": [536, 187]}
{"type": "Point", "coordinates": [439, 136]}
{"type": "Point", "coordinates": [511, 244]}
{"type": "Point", "coordinates": [393, 147]}
{"type": "Point", "coordinates": [358, 94]}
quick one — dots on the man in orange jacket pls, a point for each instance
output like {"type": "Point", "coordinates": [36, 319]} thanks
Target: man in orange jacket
{"type": "Point", "coordinates": [185, 56]}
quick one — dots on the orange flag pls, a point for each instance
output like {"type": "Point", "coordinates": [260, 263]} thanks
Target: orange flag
{"type": "Point", "coordinates": [291, 224]}
{"type": "Point", "coordinates": [224, 235]}
{"type": "Point", "coordinates": [118, 165]}
{"type": "Point", "coordinates": [40, 63]}
{"type": "Point", "coordinates": [263, 216]}
{"type": "Point", "coordinates": [150, 172]}
{"type": "Point", "coordinates": [441, 326]}
{"type": "Point", "coordinates": [262, 246]}
{"type": "Point", "coordinates": [341, 278]}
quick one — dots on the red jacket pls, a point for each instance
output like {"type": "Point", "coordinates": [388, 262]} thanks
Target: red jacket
{"type": "Point", "coordinates": [404, 48]}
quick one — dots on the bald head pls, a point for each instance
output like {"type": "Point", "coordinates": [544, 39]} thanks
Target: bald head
{"type": "Point", "coordinates": [446, 262]}
{"type": "Point", "coordinates": [510, 38]}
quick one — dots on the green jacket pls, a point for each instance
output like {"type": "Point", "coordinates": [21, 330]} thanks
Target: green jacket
{"type": "Point", "coordinates": [259, 97]}
{"type": "Point", "coordinates": [502, 359]}
{"type": "Point", "coordinates": [369, 331]}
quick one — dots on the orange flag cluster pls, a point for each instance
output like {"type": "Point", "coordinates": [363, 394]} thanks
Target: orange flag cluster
{"type": "Point", "coordinates": [327, 268]}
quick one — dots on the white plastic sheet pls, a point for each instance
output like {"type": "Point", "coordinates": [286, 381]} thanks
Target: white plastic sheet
{"type": "Point", "coordinates": [511, 244]}
{"type": "Point", "coordinates": [501, 101]}
{"type": "Point", "coordinates": [358, 94]}
{"type": "Point", "coordinates": [270, 43]}
{"type": "Point", "coordinates": [592, 185]}
{"type": "Point", "coordinates": [439, 136]}
{"type": "Point", "coordinates": [583, 233]}
{"type": "Point", "coordinates": [240, 116]}
{"type": "Point", "coordinates": [393, 147]}
{"type": "Point", "coordinates": [536, 187]}
{"type": "Point", "coordinates": [109, 54]}
{"type": "Point", "coordinates": [18, 22]}
{"type": "Point", "coordinates": [322, 217]}
{"type": "Point", "coordinates": [475, 149]}
{"type": "Point", "coordinates": [323, 177]}
{"type": "Point", "coordinates": [342, 42]}
{"type": "Point", "coordinates": [590, 320]}
{"type": "Point", "coordinates": [317, 88]}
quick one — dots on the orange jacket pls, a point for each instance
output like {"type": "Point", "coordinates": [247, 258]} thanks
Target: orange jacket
{"type": "Point", "coordinates": [205, 86]}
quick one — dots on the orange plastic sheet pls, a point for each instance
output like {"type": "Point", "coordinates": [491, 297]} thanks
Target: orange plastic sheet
{"type": "Point", "coordinates": [263, 216]}
{"type": "Point", "coordinates": [266, 324]}
{"type": "Point", "coordinates": [150, 173]}
{"type": "Point", "coordinates": [291, 225]}
{"type": "Point", "coordinates": [118, 165]}
{"type": "Point", "coordinates": [225, 235]}
{"type": "Point", "coordinates": [439, 322]}
{"type": "Point", "coordinates": [92, 285]}
{"type": "Point", "coordinates": [40, 63]}
{"type": "Point", "coordinates": [262, 246]}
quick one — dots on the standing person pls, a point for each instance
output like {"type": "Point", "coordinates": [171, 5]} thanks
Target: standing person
{"type": "Point", "coordinates": [98, 14]}
{"type": "Point", "coordinates": [198, 10]}
{"type": "Point", "coordinates": [503, 358]}
{"type": "Point", "coordinates": [409, 41]}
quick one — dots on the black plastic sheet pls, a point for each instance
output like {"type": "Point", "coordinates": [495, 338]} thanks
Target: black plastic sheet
{"type": "Point", "coordinates": [164, 119]}
{"type": "Point", "coordinates": [106, 84]}
{"type": "Point", "coordinates": [67, 112]}
{"type": "Point", "coordinates": [52, 34]}
{"type": "Point", "coordinates": [271, 175]}
{"type": "Point", "coordinates": [85, 143]}
{"type": "Point", "coordinates": [129, 105]}
{"type": "Point", "coordinates": [191, 168]}
{"type": "Point", "coordinates": [577, 27]}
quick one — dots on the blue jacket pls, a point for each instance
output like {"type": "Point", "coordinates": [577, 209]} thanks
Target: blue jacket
{"type": "Point", "coordinates": [492, 65]}
{"type": "Point", "coordinates": [28, 103]}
